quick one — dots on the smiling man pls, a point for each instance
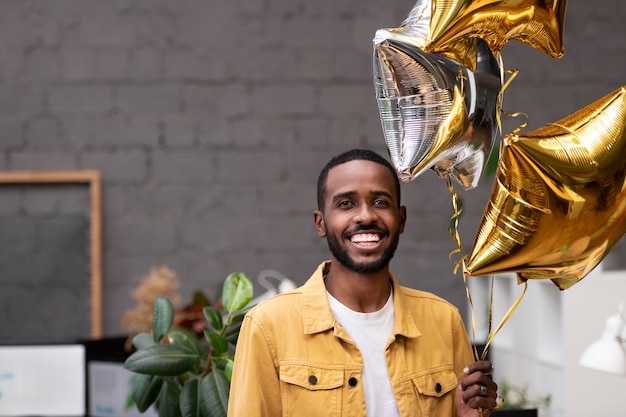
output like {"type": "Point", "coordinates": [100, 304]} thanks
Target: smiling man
{"type": "Point", "coordinates": [351, 341]}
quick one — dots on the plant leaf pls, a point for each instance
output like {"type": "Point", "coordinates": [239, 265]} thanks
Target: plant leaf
{"type": "Point", "coordinates": [162, 317]}
{"type": "Point", "coordinates": [228, 370]}
{"type": "Point", "coordinates": [187, 340]}
{"type": "Point", "coordinates": [145, 390]}
{"type": "Point", "coordinates": [142, 340]}
{"type": "Point", "coordinates": [164, 360]}
{"type": "Point", "coordinates": [200, 299]}
{"type": "Point", "coordinates": [214, 390]}
{"type": "Point", "coordinates": [492, 163]}
{"type": "Point", "coordinates": [238, 315]}
{"type": "Point", "coordinates": [237, 291]}
{"type": "Point", "coordinates": [232, 332]}
{"type": "Point", "coordinates": [130, 401]}
{"type": "Point", "coordinates": [219, 343]}
{"type": "Point", "coordinates": [189, 399]}
{"type": "Point", "coordinates": [168, 403]}
{"type": "Point", "coordinates": [213, 317]}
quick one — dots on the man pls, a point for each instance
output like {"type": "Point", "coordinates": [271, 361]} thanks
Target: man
{"type": "Point", "coordinates": [351, 341]}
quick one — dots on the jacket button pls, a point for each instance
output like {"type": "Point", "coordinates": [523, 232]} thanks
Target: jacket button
{"type": "Point", "coordinates": [438, 387]}
{"type": "Point", "coordinates": [352, 382]}
{"type": "Point", "coordinates": [312, 380]}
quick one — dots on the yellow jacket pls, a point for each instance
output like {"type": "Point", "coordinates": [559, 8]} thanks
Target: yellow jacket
{"type": "Point", "coordinates": [293, 359]}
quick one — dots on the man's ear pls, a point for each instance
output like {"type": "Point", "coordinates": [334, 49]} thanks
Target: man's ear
{"type": "Point", "coordinates": [402, 212]}
{"type": "Point", "coordinates": [318, 217]}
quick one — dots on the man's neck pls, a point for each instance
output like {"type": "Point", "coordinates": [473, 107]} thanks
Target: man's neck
{"type": "Point", "coordinates": [364, 293]}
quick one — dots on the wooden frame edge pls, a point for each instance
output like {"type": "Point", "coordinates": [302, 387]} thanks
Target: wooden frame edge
{"type": "Point", "coordinates": [93, 179]}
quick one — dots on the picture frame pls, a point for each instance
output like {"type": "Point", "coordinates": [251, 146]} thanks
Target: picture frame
{"type": "Point", "coordinates": [92, 180]}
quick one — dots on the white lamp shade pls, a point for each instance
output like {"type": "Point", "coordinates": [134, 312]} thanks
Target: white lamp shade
{"type": "Point", "coordinates": [607, 354]}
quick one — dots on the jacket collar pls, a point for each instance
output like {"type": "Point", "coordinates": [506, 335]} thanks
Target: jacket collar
{"type": "Point", "coordinates": [318, 317]}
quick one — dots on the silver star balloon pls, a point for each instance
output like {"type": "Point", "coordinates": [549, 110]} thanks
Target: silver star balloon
{"type": "Point", "coordinates": [436, 113]}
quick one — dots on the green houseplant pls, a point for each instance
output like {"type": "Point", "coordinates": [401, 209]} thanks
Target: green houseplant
{"type": "Point", "coordinates": [518, 403]}
{"type": "Point", "coordinates": [180, 373]}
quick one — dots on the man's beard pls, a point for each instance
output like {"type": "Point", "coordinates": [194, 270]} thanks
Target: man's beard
{"type": "Point", "coordinates": [341, 254]}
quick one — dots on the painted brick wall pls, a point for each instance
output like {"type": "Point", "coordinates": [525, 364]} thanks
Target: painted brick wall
{"type": "Point", "coordinates": [210, 121]}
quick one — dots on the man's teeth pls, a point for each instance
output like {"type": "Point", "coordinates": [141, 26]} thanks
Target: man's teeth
{"type": "Point", "coordinates": [365, 238]}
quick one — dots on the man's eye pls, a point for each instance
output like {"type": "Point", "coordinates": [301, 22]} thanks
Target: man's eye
{"type": "Point", "coordinates": [345, 203]}
{"type": "Point", "coordinates": [381, 203]}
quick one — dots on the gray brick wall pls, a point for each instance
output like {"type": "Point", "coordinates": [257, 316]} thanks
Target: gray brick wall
{"type": "Point", "coordinates": [210, 121]}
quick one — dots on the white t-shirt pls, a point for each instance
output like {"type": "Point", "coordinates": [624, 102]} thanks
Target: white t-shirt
{"type": "Point", "coordinates": [370, 332]}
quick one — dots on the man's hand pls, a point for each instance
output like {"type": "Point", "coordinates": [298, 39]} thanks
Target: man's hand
{"type": "Point", "coordinates": [476, 390]}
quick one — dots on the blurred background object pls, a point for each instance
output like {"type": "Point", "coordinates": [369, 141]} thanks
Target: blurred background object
{"type": "Point", "coordinates": [608, 354]}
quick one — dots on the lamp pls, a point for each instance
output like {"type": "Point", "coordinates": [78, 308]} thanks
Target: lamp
{"type": "Point", "coordinates": [608, 354]}
{"type": "Point", "coordinates": [284, 284]}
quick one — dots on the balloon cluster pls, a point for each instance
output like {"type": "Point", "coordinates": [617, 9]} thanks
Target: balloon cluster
{"type": "Point", "coordinates": [558, 202]}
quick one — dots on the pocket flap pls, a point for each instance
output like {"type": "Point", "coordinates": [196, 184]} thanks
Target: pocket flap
{"type": "Point", "coordinates": [436, 383]}
{"type": "Point", "coordinates": [312, 377]}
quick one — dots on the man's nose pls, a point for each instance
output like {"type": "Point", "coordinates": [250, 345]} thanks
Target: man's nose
{"type": "Point", "coordinates": [364, 214]}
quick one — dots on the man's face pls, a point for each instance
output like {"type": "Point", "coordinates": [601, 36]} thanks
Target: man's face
{"type": "Point", "coordinates": [361, 219]}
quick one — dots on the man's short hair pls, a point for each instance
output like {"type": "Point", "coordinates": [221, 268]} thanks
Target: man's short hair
{"type": "Point", "coordinates": [352, 155]}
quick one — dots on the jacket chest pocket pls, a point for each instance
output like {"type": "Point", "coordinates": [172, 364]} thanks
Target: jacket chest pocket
{"type": "Point", "coordinates": [311, 390]}
{"type": "Point", "coordinates": [435, 392]}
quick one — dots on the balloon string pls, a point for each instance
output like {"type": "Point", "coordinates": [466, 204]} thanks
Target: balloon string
{"type": "Point", "coordinates": [490, 333]}
{"type": "Point", "coordinates": [454, 233]}
{"type": "Point", "coordinates": [505, 85]}
{"type": "Point", "coordinates": [453, 223]}
{"type": "Point", "coordinates": [506, 317]}
{"type": "Point", "coordinates": [501, 93]}
{"type": "Point", "coordinates": [473, 316]}
{"type": "Point", "coordinates": [453, 230]}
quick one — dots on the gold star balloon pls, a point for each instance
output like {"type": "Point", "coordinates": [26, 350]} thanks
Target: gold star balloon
{"type": "Point", "coordinates": [450, 27]}
{"type": "Point", "coordinates": [558, 204]}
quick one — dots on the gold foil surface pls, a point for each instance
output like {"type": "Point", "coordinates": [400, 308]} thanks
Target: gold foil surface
{"type": "Point", "coordinates": [450, 27]}
{"type": "Point", "coordinates": [558, 203]}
